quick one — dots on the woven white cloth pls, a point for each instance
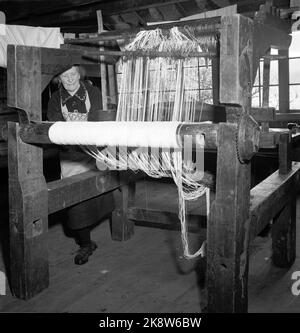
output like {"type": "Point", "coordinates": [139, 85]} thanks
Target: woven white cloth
{"type": "Point", "coordinates": [116, 133]}
{"type": "Point", "coordinates": [27, 36]}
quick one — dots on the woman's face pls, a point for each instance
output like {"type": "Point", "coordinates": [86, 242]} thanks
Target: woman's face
{"type": "Point", "coordinates": [70, 79]}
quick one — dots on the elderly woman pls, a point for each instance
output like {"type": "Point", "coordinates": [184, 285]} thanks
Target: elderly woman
{"type": "Point", "coordinates": [78, 100]}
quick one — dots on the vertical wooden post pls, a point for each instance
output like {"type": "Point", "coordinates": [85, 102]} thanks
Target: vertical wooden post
{"type": "Point", "coordinates": [236, 54]}
{"type": "Point", "coordinates": [266, 89]}
{"type": "Point", "coordinates": [215, 80]}
{"type": "Point", "coordinates": [108, 75]}
{"type": "Point", "coordinates": [103, 70]}
{"type": "Point", "coordinates": [227, 229]}
{"type": "Point", "coordinates": [112, 80]}
{"type": "Point", "coordinates": [28, 195]}
{"type": "Point", "coordinates": [284, 234]}
{"type": "Point", "coordinates": [121, 227]}
{"type": "Point", "coordinates": [228, 225]}
{"type": "Point", "coordinates": [285, 153]}
{"type": "Point", "coordinates": [283, 76]}
{"type": "Point", "coordinates": [284, 223]}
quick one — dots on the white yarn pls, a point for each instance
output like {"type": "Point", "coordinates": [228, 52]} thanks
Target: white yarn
{"type": "Point", "coordinates": [154, 92]}
{"type": "Point", "coordinates": [111, 133]}
{"type": "Point", "coordinates": [184, 195]}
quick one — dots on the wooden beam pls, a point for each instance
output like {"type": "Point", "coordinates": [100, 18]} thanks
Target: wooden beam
{"type": "Point", "coordinates": [284, 87]}
{"type": "Point", "coordinates": [155, 14]}
{"type": "Point", "coordinates": [57, 18]}
{"type": "Point", "coordinates": [66, 192]}
{"type": "Point", "coordinates": [131, 19]}
{"type": "Point", "coordinates": [284, 152]}
{"type": "Point", "coordinates": [284, 223]}
{"type": "Point", "coordinates": [265, 114]}
{"type": "Point", "coordinates": [242, 4]}
{"type": "Point", "coordinates": [139, 17]}
{"type": "Point", "coordinates": [222, 3]}
{"type": "Point", "coordinates": [165, 220]}
{"type": "Point", "coordinates": [274, 57]}
{"type": "Point", "coordinates": [4, 119]}
{"type": "Point", "coordinates": [119, 23]}
{"type": "Point", "coordinates": [38, 133]}
{"type": "Point", "coordinates": [3, 105]}
{"type": "Point", "coordinates": [113, 89]}
{"type": "Point", "coordinates": [215, 68]}
{"type": "Point", "coordinates": [287, 117]}
{"type": "Point", "coordinates": [208, 112]}
{"type": "Point", "coordinates": [89, 55]}
{"type": "Point", "coordinates": [210, 26]}
{"type": "Point", "coordinates": [138, 53]}
{"type": "Point", "coordinates": [170, 12]}
{"type": "Point", "coordinates": [122, 227]}
{"type": "Point", "coordinates": [268, 15]}
{"type": "Point", "coordinates": [181, 9]}
{"type": "Point", "coordinates": [266, 82]}
{"type": "Point", "coordinates": [54, 61]}
{"type": "Point", "coordinates": [48, 8]}
{"type": "Point", "coordinates": [266, 89]}
{"type": "Point", "coordinates": [269, 140]}
{"type": "Point", "coordinates": [236, 51]}
{"type": "Point", "coordinates": [19, 60]}
{"type": "Point", "coordinates": [103, 69]}
{"type": "Point", "coordinates": [270, 196]}
{"type": "Point", "coordinates": [201, 4]}
{"type": "Point", "coordinates": [28, 211]}
{"type": "Point", "coordinates": [284, 234]}
{"type": "Point", "coordinates": [227, 229]}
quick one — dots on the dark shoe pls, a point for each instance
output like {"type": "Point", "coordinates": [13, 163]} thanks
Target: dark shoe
{"type": "Point", "coordinates": [84, 252]}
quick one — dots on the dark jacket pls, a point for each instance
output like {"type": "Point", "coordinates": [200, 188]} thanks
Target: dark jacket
{"type": "Point", "coordinates": [76, 102]}
{"type": "Point", "coordinates": [90, 211]}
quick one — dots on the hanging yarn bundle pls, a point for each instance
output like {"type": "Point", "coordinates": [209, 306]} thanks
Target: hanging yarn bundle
{"type": "Point", "coordinates": [159, 89]}
{"type": "Point", "coordinates": [162, 88]}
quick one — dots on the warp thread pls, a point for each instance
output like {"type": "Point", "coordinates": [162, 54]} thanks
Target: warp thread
{"type": "Point", "coordinates": [157, 89]}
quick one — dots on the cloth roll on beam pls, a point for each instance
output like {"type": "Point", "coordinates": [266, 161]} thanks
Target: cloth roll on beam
{"type": "Point", "coordinates": [131, 134]}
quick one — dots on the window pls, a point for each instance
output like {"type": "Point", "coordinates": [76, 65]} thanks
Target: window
{"type": "Point", "coordinates": [198, 79]}
{"type": "Point", "coordinates": [257, 91]}
{"type": "Point", "coordinates": [294, 73]}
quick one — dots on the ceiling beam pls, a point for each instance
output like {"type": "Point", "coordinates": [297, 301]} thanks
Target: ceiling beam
{"type": "Point", "coordinates": [276, 3]}
{"type": "Point", "coordinates": [201, 4]}
{"type": "Point", "coordinates": [119, 23]}
{"type": "Point", "coordinates": [155, 14]}
{"type": "Point", "coordinates": [140, 18]}
{"type": "Point", "coordinates": [222, 3]}
{"type": "Point", "coordinates": [60, 16]}
{"type": "Point", "coordinates": [30, 8]}
{"type": "Point", "coordinates": [181, 9]}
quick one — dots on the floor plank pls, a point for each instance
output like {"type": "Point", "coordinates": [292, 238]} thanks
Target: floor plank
{"type": "Point", "coordinates": [144, 274]}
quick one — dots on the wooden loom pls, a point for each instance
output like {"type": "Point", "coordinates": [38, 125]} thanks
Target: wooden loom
{"type": "Point", "coordinates": [238, 214]}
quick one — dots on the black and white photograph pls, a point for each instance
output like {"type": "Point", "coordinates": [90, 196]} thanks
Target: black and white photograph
{"type": "Point", "coordinates": [149, 161]}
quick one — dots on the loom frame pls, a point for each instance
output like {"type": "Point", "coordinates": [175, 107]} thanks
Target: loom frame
{"type": "Point", "coordinates": [235, 218]}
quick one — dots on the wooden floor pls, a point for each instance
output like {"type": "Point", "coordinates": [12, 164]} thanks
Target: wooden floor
{"type": "Point", "coordinates": [145, 274]}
